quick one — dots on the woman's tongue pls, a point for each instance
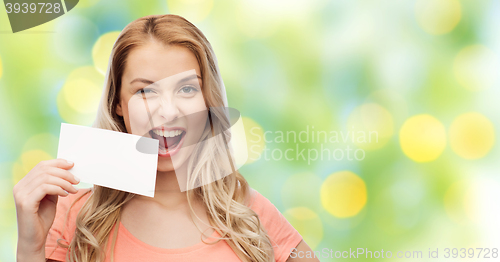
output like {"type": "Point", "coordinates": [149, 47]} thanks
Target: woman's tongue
{"type": "Point", "coordinates": [166, 142]}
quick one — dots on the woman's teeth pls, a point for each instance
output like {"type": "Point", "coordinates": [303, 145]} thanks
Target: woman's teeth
{"type": "Point", "coordinates": [165, 133]}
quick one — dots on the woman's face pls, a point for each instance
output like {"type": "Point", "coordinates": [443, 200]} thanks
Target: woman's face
{"type": "Point", "coordinates": [161, 98]}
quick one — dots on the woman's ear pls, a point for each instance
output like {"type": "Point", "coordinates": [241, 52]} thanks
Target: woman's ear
{"type": "Point", "coordinates": [119, 109]}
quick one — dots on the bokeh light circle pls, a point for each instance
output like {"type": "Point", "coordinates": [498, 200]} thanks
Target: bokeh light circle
{"type": "Point", "coordinates": [255, 139]}
{"type": "Point", "coordinates": [460, 202]}
{"type": "Point", "coordinates": [422, 138]}
{"type": "Point", "coordinates": [42, 141]}
{"type": "Point", "coordinates": [26, 162]}
{"type": "Point", "coordinates": [343, 194]}
{"type": "Point", "coordinates": [472, 135]}
{"type": "Point", "coordinates": [371, 125]}
{"type": "Point", "coordinates": [476, 67]}
{"type": "Point", "coordinates": [101, 51]}
{"type": "Point", "coordinates": [82, 95]}
{"type": "Point", "coordinates": [74, 38]}
{"type": "Point", "coordinates": [82, 90]}
{"type": "Point", "coordinates": [486, 215]}
{"type": "Point", "coordinates": [193, 10]}
{"type": "Point", "coordinates": [79, 98]}
{"type": "Point", "coordinates": [398, 205]}
{"type": "Point", "coordinates": [438, 16]}
{"type": "Point", "coordinates": [307, 223]}
{"type": "Point", "coordinates": [393, 101]}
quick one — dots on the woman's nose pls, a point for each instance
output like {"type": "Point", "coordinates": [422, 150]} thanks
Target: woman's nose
{"type": "Point", "coordinates": [168, 110]}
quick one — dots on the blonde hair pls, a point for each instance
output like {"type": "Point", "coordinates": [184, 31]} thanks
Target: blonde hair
{"type": "Point", "coordinates": [224, 196]}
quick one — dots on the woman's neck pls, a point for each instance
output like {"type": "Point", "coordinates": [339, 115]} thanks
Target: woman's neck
{"type": "Point", "coordinates": [167, 192]}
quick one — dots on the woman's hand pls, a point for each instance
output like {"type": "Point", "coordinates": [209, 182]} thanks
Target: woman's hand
{"type": "Point", "coordinates": [36, 199]}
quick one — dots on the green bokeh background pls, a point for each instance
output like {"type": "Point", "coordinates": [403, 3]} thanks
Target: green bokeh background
{"type": "Point", "coordinates": [292, 65]}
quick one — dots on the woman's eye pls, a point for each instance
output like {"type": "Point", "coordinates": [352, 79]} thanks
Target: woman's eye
{"type": "Point", "coordinates": [188, 89]}
{"type": "Point", "coordinates": [146, 91]}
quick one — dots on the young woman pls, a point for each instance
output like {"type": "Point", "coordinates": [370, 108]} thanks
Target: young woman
{"type": "Point", "coordinates": [219, 220]}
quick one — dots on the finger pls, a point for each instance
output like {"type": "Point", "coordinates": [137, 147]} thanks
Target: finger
{"type": "Point", "coordinates": [64, 184]}
{"type": "Point", "coordinates": [64, 174]}
{"type": "Point", "coordinates": [33, 199]}
{"type": "Point", "coordinates": [59, 162]}
{"type": "Point", "coordinates": [37, 176]}
{"type": "Point", "coordinates": [31, 179]}
{"type": "Point", "coordinates": [51, 175]}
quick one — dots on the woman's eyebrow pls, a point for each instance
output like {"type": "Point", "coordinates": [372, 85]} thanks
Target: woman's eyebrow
{"type": "Point", "coordinates": [142, 80]}
{"type": "Point", "coordinates": [190, 77]}
{"type": "Point", "coordinates": [149, 82]}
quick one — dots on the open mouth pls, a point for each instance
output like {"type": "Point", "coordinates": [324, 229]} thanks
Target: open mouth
{"type": "Point", "coordinates": [170, 141]}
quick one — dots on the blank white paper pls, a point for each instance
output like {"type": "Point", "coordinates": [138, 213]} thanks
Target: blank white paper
{"type": "Point", "coordinates": [109, 158]}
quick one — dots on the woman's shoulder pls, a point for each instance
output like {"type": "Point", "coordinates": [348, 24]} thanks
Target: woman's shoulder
{"type": "Point", "coordinates": [284, 237]}
{"type": "Point", "coordinates": [261, 205]}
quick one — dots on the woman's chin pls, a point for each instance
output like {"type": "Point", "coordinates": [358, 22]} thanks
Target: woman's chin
{"type": "Point", "coordinates": [165, 165]}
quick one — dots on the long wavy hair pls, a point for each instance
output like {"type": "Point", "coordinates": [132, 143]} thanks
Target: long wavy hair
{"type": "Point", "coordinates": [225, 197]}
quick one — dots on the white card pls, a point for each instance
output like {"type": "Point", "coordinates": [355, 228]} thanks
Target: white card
{"type": "Point", "coordinates": [109, 158]}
